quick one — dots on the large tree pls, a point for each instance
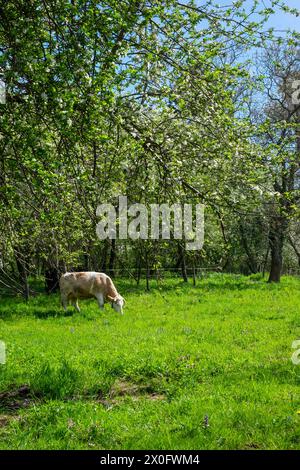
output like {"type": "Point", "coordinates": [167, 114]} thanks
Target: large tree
{"type": "Point", "coordinates": [282, 72]}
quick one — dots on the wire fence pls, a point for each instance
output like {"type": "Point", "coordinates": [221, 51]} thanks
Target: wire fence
{"type": "Point", "coordinates": [11, 286]}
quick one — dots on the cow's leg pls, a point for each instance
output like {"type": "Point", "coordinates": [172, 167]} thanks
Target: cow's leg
{"type": "Point", "coordinates": [100, 300]}
{"type": "Point", "coordinates": [75, 303]}
{"type": "Point", "coordinates": [64, 301]}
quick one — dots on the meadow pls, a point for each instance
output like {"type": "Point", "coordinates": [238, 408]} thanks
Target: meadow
{"type": "Point", "coordinates": [205, 367]}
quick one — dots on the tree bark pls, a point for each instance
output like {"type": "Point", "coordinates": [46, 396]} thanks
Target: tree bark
{"type": "Point", "coordinates": [276, 239]}
{"type": "Point", "coordinates": [23, 277]}
{"type": "Point", "coordinates": [183, 265]}
{"type": "Point", "coordinates": [86, 262]}
{"type": "Point", "coordinates": [52, 275]}
{"type": "Point", "coordinates": [139, 269]}
{"type": "Point", "coordinates": [266, 260]}
{"type": "Point", "coordinates": [112, 257]}
{"type": "Point", "coordinates": [251, 261]}
{"type": "Point", "coordinates": [296, 250]}
{"type": "Point", "coordinates": [104, 256]}
{"type": "Point", "coordinates": [194, 274]}
{"type": "Point", "coordinates": [147, 273]}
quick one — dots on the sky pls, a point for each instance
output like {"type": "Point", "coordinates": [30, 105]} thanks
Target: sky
{"type": "Point", "coordinates": [282, 21]}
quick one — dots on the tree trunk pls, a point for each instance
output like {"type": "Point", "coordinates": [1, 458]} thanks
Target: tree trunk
{"type": "Point", "coordinates": [180, 264]}
{"type": "Point", "coordinates": [296, 250]}
{"type": "Point", "coordinates": [251, 261]}
{"type": "Point", "coordinates": [139, 269]}
{"type": "Point", "coordinates": [266, 260]}
{"type": "Point", "coordinates": [147, 273]}
{"type": "Point", "coordinates": [183, 266]}
{"type": "Point", "coordinates": [194, 274]}
{"type": "Point", "coordinates": [23, 277]}
{"type": "Point", "coordinates": [276, 239]}
{"type": "Point", "coordinates": [52, 275]}
{"type": "Point", "coordinates": [183, 270]}
{"type": "Point", "coordinates": [86, 262]}
{"type": "Point", "coordinates": [112, 258]}
{"type": "Point", "coordinates": [104, 256]}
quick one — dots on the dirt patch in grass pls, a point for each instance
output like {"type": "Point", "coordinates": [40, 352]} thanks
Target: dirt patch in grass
{"type": "Point", "coordinates": [23, 397]}
{"type": "Point", "coordinates": [4, 420]}
{"type": "Point", "coordinates": [15, 399]}
{"type": "Point", "coordinates": [122, 389]}
{"type": "Point", "coordinates": [252, 445]}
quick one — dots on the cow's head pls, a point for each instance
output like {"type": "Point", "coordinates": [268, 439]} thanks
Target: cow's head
{"type": "Point", "coordinates": [117, 303]}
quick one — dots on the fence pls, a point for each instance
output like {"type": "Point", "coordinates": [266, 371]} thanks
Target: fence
{"type": "Point", "coordinates": [10, 286]}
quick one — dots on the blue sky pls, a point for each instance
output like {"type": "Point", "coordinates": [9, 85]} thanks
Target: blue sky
{"type": "Point", "coordinates": [283, 21]}
{"type": "Point", "coordinates": [280, 21]}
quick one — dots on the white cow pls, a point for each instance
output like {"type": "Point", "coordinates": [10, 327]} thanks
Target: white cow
{"type": "Point", "coordinates": [84, 285]}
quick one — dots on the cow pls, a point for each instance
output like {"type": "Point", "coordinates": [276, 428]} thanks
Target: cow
{"type": "Point", "coordinates": [84, 285]}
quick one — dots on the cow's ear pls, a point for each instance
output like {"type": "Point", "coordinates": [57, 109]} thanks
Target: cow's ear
{"type": "Point", "coordinates": [110, 298]}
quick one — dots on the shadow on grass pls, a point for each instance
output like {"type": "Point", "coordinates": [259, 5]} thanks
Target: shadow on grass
{"type": "Point", "coordinates": [38, 313]}
{"type": "Point", "coordinates": [41, 313]}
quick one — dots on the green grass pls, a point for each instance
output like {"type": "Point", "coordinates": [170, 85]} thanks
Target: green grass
{"type": "Point", "coordinates": [180, 358]}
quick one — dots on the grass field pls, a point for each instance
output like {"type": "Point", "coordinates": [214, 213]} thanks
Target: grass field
{"type": "Point", "coordinates": [206, 367]}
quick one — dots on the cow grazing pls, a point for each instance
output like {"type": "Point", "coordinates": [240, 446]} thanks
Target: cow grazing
{"type": "Point", "coordinates": [84, 285]}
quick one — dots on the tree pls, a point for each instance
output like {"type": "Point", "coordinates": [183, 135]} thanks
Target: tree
{"type": "Point", "coordinates": [283, 131]}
